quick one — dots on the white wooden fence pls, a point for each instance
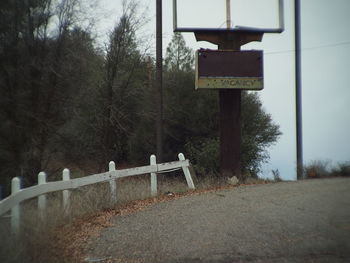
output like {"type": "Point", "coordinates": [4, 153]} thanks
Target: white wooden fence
{"type": "Point", "coordinates": [18, 195]}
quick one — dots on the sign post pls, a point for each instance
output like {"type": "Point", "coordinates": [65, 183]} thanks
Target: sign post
{"type": "Point", "coordinates": [230, 125]}
{"type": "Point", "coordinates": [230, 71]}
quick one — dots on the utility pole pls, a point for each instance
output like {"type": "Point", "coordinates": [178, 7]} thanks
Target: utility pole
{"type": "Point", "coordinates": [298, 92]}
{"type": "Point", "coordinates": [159, 81]}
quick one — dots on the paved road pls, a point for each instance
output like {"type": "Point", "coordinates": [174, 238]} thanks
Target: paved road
{"type": "Point", "coordinates": [307, 221]}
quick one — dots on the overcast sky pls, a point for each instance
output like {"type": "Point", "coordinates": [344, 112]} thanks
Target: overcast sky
{"type": "Point", "coordinates": [325, 68]}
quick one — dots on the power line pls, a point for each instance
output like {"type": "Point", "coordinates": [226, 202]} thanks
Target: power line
{"type": "Point", "coordinates": [309, 48]}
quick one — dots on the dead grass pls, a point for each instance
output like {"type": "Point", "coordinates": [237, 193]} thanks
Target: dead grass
{"type": "Point", "coordinates": [61, 236]}
{"type": "Point", "coordinates": [43, 235]}
{"type": "Point", "coordinates": [325, 169]}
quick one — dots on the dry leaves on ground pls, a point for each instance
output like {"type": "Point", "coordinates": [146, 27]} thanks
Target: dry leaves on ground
{"type": "Point", "coordinates": [73, 239]}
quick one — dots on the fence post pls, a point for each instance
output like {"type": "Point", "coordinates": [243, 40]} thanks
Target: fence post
{"type": "Point", "coordinates": [15, 211]}
{"type": "Point", "coordinates": [112, 183]}
{"type": "Point", "coordinates": [186, 172]}
{"type": "Point", "coordinates": [42, 198]}
{"type": "Point", "coordinates": [153, 161]}
{"type": "Point", "coordinates": [66, 193]}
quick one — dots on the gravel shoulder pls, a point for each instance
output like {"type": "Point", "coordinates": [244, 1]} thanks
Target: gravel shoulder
{"type": "Point", "coordinates": [305, 221]}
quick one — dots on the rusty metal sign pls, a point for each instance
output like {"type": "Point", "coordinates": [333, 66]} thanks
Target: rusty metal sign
{"type": "Point", "coordinates": [221, 69]}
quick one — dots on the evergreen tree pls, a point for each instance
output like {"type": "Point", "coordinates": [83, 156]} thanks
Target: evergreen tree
{"type": "Point", "coordinates": [178, 55]}
{"type": "Point", "coordinates": [188, 113]}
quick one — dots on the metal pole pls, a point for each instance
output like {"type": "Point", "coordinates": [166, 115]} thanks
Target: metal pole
{"type": "Point", "coordinates": [228, 14]}
{"type": "Point", "coordinates": [159, 81]}
{"type": "Point", "coordinates": [298, 92]}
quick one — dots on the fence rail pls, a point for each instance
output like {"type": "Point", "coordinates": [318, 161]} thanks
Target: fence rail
{"type": "Point", "coordinates": [18, 195]}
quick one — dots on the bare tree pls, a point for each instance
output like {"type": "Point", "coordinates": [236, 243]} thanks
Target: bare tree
{"type": "Point", "coordinates": [36, 51]}
{"type": "Point", "coordinates": [124, 71]}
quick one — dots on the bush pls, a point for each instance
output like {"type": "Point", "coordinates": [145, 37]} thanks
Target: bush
{"type": "Point", "coordinates": [204, 156]}
{"type": "Point", "coordinates": [276, 175]}
{"type": "Point", "coordinates": [343, 169]}
{"type": "Point", "coordinates": [317, 169]}
{"type": "Point", "coordinates": [321, 169]}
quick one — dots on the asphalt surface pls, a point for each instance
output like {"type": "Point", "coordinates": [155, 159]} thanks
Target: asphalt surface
{"type": "Point", "coordinates": [305, 221]}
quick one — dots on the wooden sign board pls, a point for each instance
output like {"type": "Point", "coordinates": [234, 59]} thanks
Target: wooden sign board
{"type": "Point", "coordinates": [221, 69]}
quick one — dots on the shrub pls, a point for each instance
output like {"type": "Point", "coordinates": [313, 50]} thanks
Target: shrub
{"type": "Point", "coordinates": [276, 175]}
{"type": "Point", "coordinates": [343, 169]}
{"type": "Point", "coordinates": [317, 169]}
{"type": "Point", "coordinates": [320, 169]}
{"type": "Point", "coordinates": [204, 155]}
